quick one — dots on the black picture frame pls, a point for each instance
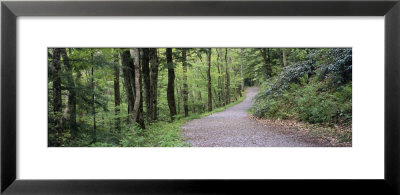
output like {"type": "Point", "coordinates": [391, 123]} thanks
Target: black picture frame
{"type": "Point", "coordinates": [10, 10]}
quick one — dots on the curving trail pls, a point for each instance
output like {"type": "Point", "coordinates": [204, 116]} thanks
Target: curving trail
{"type": "Point", "coordinates": [234, 128]}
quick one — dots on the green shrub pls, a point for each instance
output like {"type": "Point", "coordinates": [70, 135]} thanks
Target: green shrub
{"type": "Point", "coordinates": [308, 99]}
{"type": "Point", "coordinates": [315, 89]}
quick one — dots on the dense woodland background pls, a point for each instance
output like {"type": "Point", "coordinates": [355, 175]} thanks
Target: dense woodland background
{"type": "Point", "coordinates": [141, 96]}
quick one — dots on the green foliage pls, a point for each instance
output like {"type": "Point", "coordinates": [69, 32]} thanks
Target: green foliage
{"type": "Point", "coordinates": [316, 89]}
{"type": "Point", "coordinates": [101, 111]}
{"type": "Point", "coordinates": [313, 86]}
{"type": "Point", "coordinates": [161, 134]}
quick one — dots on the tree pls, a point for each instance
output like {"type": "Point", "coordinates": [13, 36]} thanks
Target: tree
{"type": "Point", "coordinates": [117, 94]}
{"type": "Point", "coordinates": [209, 80]}
{"type": "Point", "coordinates": [268, 66]}
{"type": "Point", "coordinates": [284, 56]}
{"type": "Point", "coordinates": [241, 69]}
{"type": "Point", "coordinates": [71, 108]}
{"type": "Point", "coordinates": [228, 95]}
{"type": "Point", "coordinates": [127, 72]}
{"type": "Point", "coordinates": [94, 131]}
{"type": "Point", "coordinates": [89, 107]}
{"type": "Point", "coordinates": [280, 56]}
{"type": "Point", "coordinates": [135, 53]}
{"type": "Point", "coordinates": [185, 92]}
{"type": "Point", "coordinates": [221, 96]}
{"type": "Point", "coordinates": [146, 83]}
{"type": "Point", "coordinates": [57, 101]}
{"type": "Point", "coordinates": [140, 118]}
{"type": "Point", "coordinates": [153, 81]}
{"type": "Point", "coordinates": [171, 80]}
{"type": "Point", "coordinates": [178, 94]}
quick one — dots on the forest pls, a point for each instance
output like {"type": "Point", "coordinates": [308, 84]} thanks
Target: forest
{"type": "Point", "coordinates": [141, 97]}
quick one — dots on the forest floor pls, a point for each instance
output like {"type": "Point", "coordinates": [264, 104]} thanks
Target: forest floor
{"type": "Point", "coordinates": [235, 127]}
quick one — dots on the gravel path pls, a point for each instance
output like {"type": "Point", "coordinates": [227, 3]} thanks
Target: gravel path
{"type": "Point", "coordinates": [234, 128]}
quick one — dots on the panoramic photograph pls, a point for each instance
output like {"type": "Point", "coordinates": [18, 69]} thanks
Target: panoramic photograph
{"type": "Point", "coordinates": [199, 97]}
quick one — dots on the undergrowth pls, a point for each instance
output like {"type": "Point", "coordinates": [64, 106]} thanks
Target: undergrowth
{"type": "Point", "coordinates": [157, 134]}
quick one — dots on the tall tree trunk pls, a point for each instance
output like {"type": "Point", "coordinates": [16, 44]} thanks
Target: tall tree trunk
{"type": "Point", "coordinates": [178, 93]}
{"type": "Point", "coordinates": [284, 56]}
{"type": "Point", "coordinates": [264, 53]}
{"type": "Point", "coordinates": [71, 94]}
{"type": "Point", "coordinates": [94, 132]}
{"type": "Point", "coordinates": [215, 97]}
{"type": "Point", "coordinates": [185, 86]}
{"type": "Point", "coordinates": [57, 101]}
{"type": "Point", "coordinates": [269, 62]}
{"type": "Point", "coordinates": [154, 81]}
{"type": "Point", "coordinates": [141, 112]}
{"type": "Point", "coordinates": [209, 79]}
{"type": "Point", "coordinates": [171, 80]}
{"type": "Point", "coordinates": [228, 94]}
{"type": "Point", "coordinates": [78, 92]}
{"type": "Point", "coordinates": [140, 118]}
{"type": "Point", "coordinates": [238, 91]}
{"type": "Point", "coordinates": [200, 101]}
{"type": "Point", "coordinates": [117, 95]}
{"type": "Point", "coordinates": [280, 56]}
{"type": "Point", "coordinates": [197, 106]}
{"type": "Point", "coordinates": [127, 73]}
{"type": "Point", "coordinates": [220, 85]}
{"type": "Point", "coordinates": [135, 53]}
{"type": "Point", "coordinates": [241, 70]}
{"type": "Point", "coordinates": [146, 83]}
{"type": "Point", "coordinates": [192, 98]}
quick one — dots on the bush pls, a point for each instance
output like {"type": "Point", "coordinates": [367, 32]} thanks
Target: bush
{"type": "Point", "coordinates": [317, 89]}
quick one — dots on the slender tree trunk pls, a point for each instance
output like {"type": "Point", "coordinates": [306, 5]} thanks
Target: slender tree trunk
{"type": "Point", "coordinates": [140, 118]}
{"type": "Point", "coordinates": [71, 115]}
{"type": "Point", "coordinates": [192, 98]}
{"type": "Point", "coordinates": [185, 86]}
{"type": "Point", "coordinates": [57, 100]}
{"type": "Point", "coordinates": [241, 69]}
{"type": "Point", "coordinates": [209, 79]}
{"type": "Point", "coordinates": [179, 100]}
{"type": "Point", "coordinates": [171, 80]}
{"type": "Point", "coordinates": [284, 56]}
{"type": "Point", "coordinates": [269, 62]}
{"type": "Point", "coordinates": [103, 120]}
{"type": "Point", "coordinates": [94, 132]}
{"type": "Point", "coordinates": [238, 91]}
{"type": "Point", "coordinates": [78, 86]}
{"type": "Point", "coordinates": [266, 61]}
{"type": "Point", "coordinates": [135, 53]}
{"type": "Point", "coordinates": [228, 94]}
{"type": "Point", "coordinates": [146, 83]}
{"type": "Point", "coordinates": [280, 56]}
{"type": "Point", "coordinates": [117, 95]}
{"type": "Point", "coordinates": [197, 106]}
{"type": "Point", "coordinates": [141, 112]}
{"type": "Point", "coordinates": [215, 97]}
{"type": "Point", "coordinates": [220, 85]}
{"type": "Point", "coordinates": [200, 101]}
{"type": "Point", "coordinates": [154, 81]}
